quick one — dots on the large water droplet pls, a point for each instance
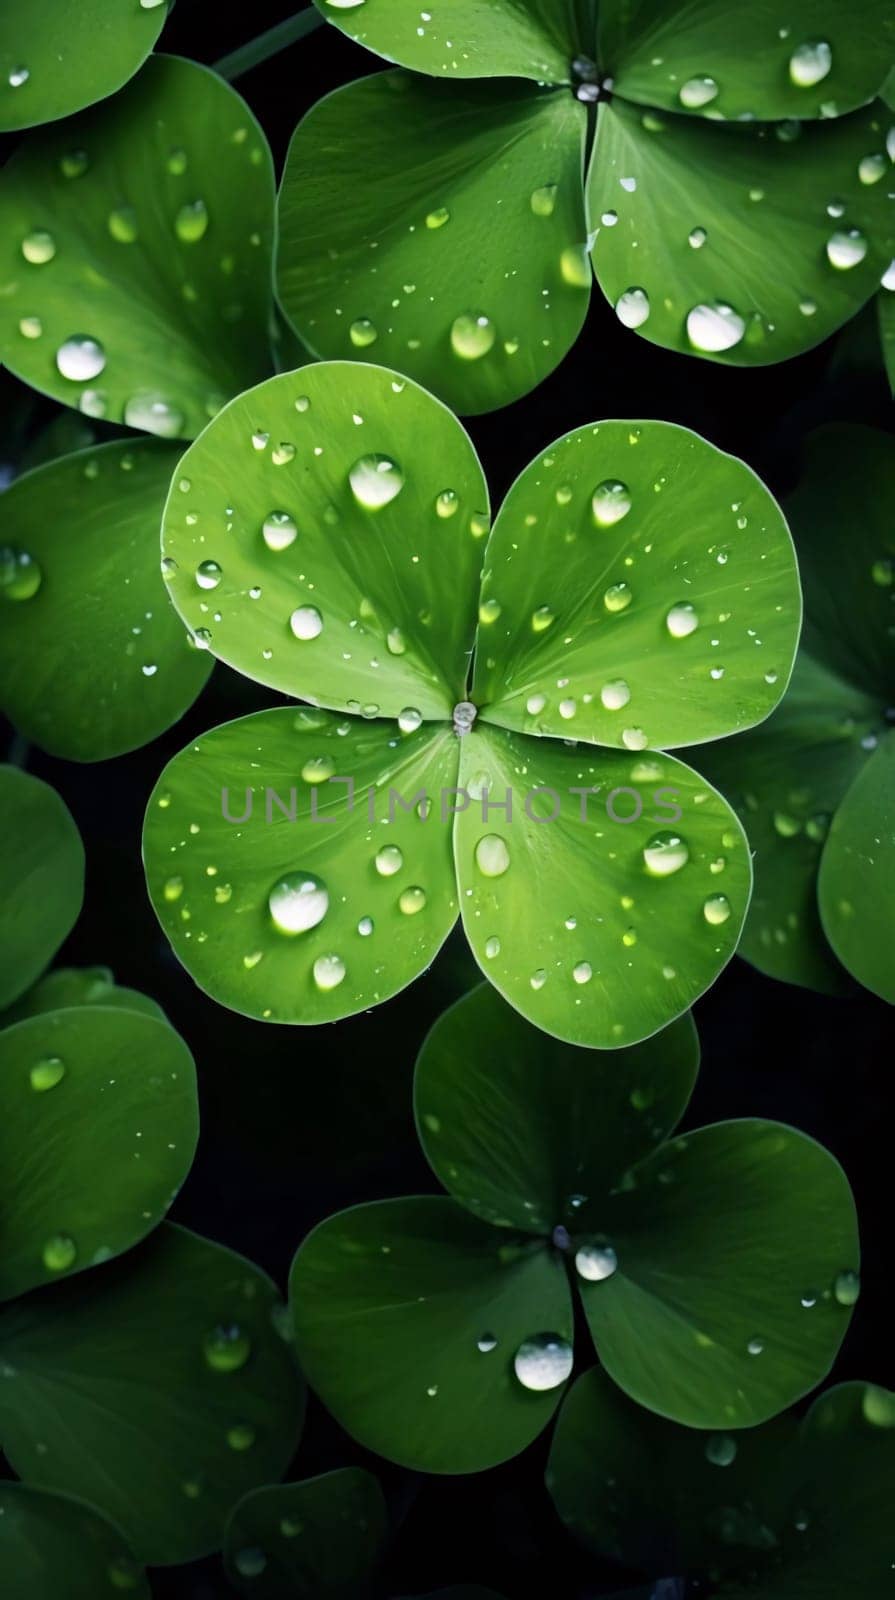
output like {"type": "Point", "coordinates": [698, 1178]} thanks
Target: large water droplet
{"type": "Point", "coordinates": [208, 574]}
{"type": "Point", "coordinates": [226, 1347]}
{"type": "Point", "coordinates": [543, 200]}
{"type": "Point", "coordinates": [610, 502]}
{"type": "Point", "coordinates": [847, 1289]}
{"type": "Point", "coordinates": [696, 238]}
{"type": "Point", "coordinates": [47, 1073]}
{"type": "Point", "coordinates": [328, 972]}
{"type": "Point", "coordinates": [595, 1262]}
{"type": "Point", "coordinates": [38, 247]}
{"type": "Point", "coordinates": [846, 248]}
{"type": "Point", "coordinates": [492, 856]}
{"type": "Point", "coordinates": [412, 900]}
{"type": "Point", "coordinates": [615, 695]}
{"type": "Point", "coordinates": [20, 575]}
{"type": "Point", "coordinates": [80, 358]}
{"type": "Point", "coordinates": [872, 168]}
{"type": "Point", "coordinates": [698, 92]}
{"type": "Point", "coordinates": [716, 910]}
{"type": "Point", "coordinates": [632, 308]}
{"type": "Point", "coordinates": [306, 622]}
{"type": "Point", "coordinates": [122, 224]}
{"type": "Point", "coordinates": [574, 266]}
{"type": "Point", "coordinates": [438, 218]}
{"type": "Point", "coordinates": [278, 530]}
{"type": "Point", "coordinates": [389, 860]}
{"type": "Point", "coordinates": [715, 327]}
{"type": "Point", "coordinates": [472, 335]}
{"type": "Point", "coordinates": [298, 902]}
{"type": "Point", "coordinates": [618, 597]}
{"type": "Point", "coordinates": [59, 1253]}
{"type": "Point", "coordinates": [191, 221]}
{"type": "Point", "coordinates": [810, 63]}
{"type": "Point", "coordinates": [543, 1362]}
{"type": "Point", "coordinates": [363, 333]}
{"type": "Point", "coordinates": [375, 481]}
{"type": "Point", "coordinates": [682, 620]}
{"type": "Point", "coordinates": [150, 411]}
{"type": "Point", "coordinates": [666, 852]}
{"type": "Point", "coordinates": [541, 618]}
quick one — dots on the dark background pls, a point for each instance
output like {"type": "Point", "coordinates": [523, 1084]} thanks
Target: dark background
{"type": "Point", "coordinates": [299, 1123]}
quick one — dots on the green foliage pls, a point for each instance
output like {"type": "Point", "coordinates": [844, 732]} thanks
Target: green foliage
{"type": "Point", "coordinates": [78, 986]}
{"type": "Point", "coordinates": [789, 1508]}
{"type": "Point", "coordinates": [384, 628]}
{"type": "Point", "coordinates": [316, 1540]}
{"type": "Point", "coordinates": [456, 213]}
{"type": "Point", "coordinates": [56, 57]}
{"type": "Point", "coordinates": [53, 1545]}
{"type": "Point", "coordinates": [41, 879]}
{"type": "Point", "coordinates": [439, 1331]}
{"type": "Point", "coordinates": [96, 661]}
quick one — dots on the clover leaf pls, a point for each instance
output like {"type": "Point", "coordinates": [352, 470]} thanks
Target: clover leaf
{"type": "Point", "coordinates": [94, 660]}
{"type": "Point", "coordinates": [793, 1507]}
{"type": "Point", "coordinates": [817, 781]}
{"type": "Point", "coordinates": [439, 1330]}
{"type": "Point", "coordinates": [451, 228]}
{"type": "Point", "coordinates": [65, 987]}
{"type": "Point", "coordinates": [319, 1539]}
{"type": "Point", "coordinates": [325, 536]}
{"type": "Point", "coordinates": [56, 58]}
{"type": "Point", "coordinates": [41, 876]}
{"type": "Point", "coordinates": [53, 1544]}
{"type": "Point", "coordinates": [160, 1387]}
{"type": "Point", "coordinates": [137, 240]}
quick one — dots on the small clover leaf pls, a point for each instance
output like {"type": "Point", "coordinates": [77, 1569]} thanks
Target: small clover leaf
{"type": "Point", "coordinates": [325, 535]}
{"type": "Point", "coordinates": [41, 876]}
{"type": "Point", "coordinates": [56, 58]}
{"type": "Point", "coordinates": [464, 229]}
{"type": "Point", "coordinates": [160, 199]}
{"type": "Point", "coordinates": [54, 1545]}
{"type": "Point", "coordinates": [66, 987]}
{"type": "Point", "coordinates": [319, 1539]}
{"type": "Point", "coordinates": [822, 765]}
{"type": "Point", "coordinates": [160, 1387]}
{"type": "Point", "coordinates": [94, 660]}
{"type": "Point", "coordinates": [439, 1331]}
{"type": "Point", "coordinates": [793, 1507]}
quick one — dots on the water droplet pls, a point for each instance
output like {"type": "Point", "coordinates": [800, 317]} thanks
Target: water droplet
{"type": "Point", "coordinates": [363, 332]}
{"type": "Point", "coordinates": [716, 909]}
{"type": "Point", "coordinates": [541, 619]}
{"type": "Point", "coordinates": [20, 575]}
{"type": "Point", "coordinates": [492, 947]}
{"type": "Point", "coordinates": [538, 979]}
{"type": "Point", "coordinates": [279, 530]}
{"type": "Point", "coordinates": [375, 481]}
{"type": "Point", "coordinates": [438, 217]}
{"type": "Point", "coordinates": [535, 704]}
{"type": "Point", "coordinates": [30, 327]}
{"type": "Point", "coordinates": [698, 92]}
{"type": "Point", "coordinates": [208, 574]}
{"type": "Point", "coordinates": [395, 642]}
{"type": "Point", "coordinates": [328, 972]}
{"type": "Point", "coordinates": [617, 597]}
{"type": "Point", "coordinates": [489, 611]}
{"type": "Point", "coordinates": [883, 572]}
{"type": "Point", "coordinates": [682, 620]}
{"type": "Point", "coordinates": [595, 1262]}
{"type": "Point", "coordinates": [447, 503]}
{"type": "Point", "coordinates": [543, 200]}
{"type": "Point", "coordinates": [810, 63]}
{"type": "Point", "coordinates": [610, 502]}
{"type": "Point", "coordinates": [721, 1450]}
{"type": "Point", "coordinates": [297, 902]}
{"type": "Point", "coordinates": [632, 308]}
{"type": "Point", "coordinates": [47, 1073]}
{"type": "Point", "coordinates": [878, 1406]}
{"type": "Point", "coordinates": [582, 972]}
{"type": "Point", "coordinates": [615, 695]}
{"type": "Point", "coordinates": [412, 900]}
{"type": "Point", "coordinates": [38, 247]}
{"type": "Point", "coordinates": [696, 238]}
{"type": "Point", "coordinates": [472, 336]}
{"type": "Point", "coordinates": [713, 328]}
{"type": "Point", "coordinates": [282, 453]}
{"type": "Point", "coordinates": [150, 411]}
{"type": "Point", "coordinates": [251, 1562]}
{"type": "Point", "coordinates": [634, 739]}
{"type": "Point", "coordinates": [574, 267]}
{"type": "Point", "coordinates": [847, 1289]}
{"type": "Point", "coordinates": [227, 1347]}
{"type": "Point", "coordinates": [492, 856]}
{"type": "Point", "coordinates": [191, 222]}
{"type": "Point", "coordinates": [80, 358]}
{"type": "Point", "coordinates": [74, 164]}
{"type": "Point", "coordinates": [306, 622]}
{"type": "Point", "coordinates": [389, 860]}
{"type": "Point", "coordinates": [543, 1362]}
{"type": "Point", "coordinates": [846, 248]}
{"type": "Point", "coordinates": [17, 77]}
{"type": "Point", "coordinates": [59, 1253]}
{"type": "Point", "coordinates": [666, 852]}
{"type": "Point", "coordinates": [872, 168]}
{"type": "Point", "coordinates": [173, 889]}
{"type": "Point", "coordinates": [485, 1343]}
{"type": "Point", "coordinates": [122, 224]}
{"type": "Point", "coordinates": [755, 1347]}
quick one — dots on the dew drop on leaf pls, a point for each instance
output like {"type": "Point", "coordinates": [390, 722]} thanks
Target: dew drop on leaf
{"type": "Point", "coordinates": [151, 412]}
{"type": "Point", "coordinates": [329, 972]}
{"type": "Point", "coordinates": [80, 358]}
{"type": "Point", "coordinates": [306, 622]}
{"type": "Point", "coordinates": [614, 696]}
{"type": "Point", "coordinates": [388, 860]}
{"type": "Point", "coordinates": [492, 856]}
{"type": "Point", "coordinates": [297, 902]}
{"type": "Point", "coordinates": [665, 853]}
{"type": "Point", "coordinates": [682, 620]}
{"type": "Point", "coordinates": [713, 328]}
{"type": "Point", "coordinates": [375, 481]}
{"type": "Point", "coordinates": [38, 247]}
{"type": "Point", "coordinates": [208, 574]}
{"type": "Point", "coordinates": [543, 1362]}
{"type": "Point", "coordinates": [610, 502]}
{"type": "Point", "coordinates": [632, 308]}
{"type": "Point", "coordinates": [59, 1253]}
{"type": "Point", "coordinates": [716, 910]}
{"type": "Point", "coordinates": [472, 335]}
{"type": "Point", "coordinates": [362, 333]}
{"type": "Point", "coordinates": [191, 222]}
{"type": "Point", "coordinates": [617, 597]}
{"type": "Point", "coordinates": [846, 248]}
{"type": "Point", "coordinates": [226, 1347]}
{"type": "Point", "coordinates": [721, 1450]}
{"type": "Point", "coordinates": [279, 530]}
{"type": "Point", "coordinates": [20, 575]}
{"type": "Point", "coordinates": [847, 1289]}
{"type": "Point", "coordinates": [595, 1262]}
{"type": "Point", "coordinates": [810, 63]}
{"type": "Point", "coordinates": [412, 900]}
{"type": "Point", "coordinates": [47, 1073]}
{"type": "Point", "coordinates": [698, 92]}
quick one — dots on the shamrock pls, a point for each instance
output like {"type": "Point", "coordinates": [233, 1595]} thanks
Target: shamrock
{"type": "Point", "coordinates": [815, 788]}
{"type": "Point", "coordinates": [328, 536]}
{"type": "Point", "coordinates": [724, 178]}
{"type": "Point", "coordinates": [798, 1506]}
{"type": "Point", "coordinates": [715, 1270]}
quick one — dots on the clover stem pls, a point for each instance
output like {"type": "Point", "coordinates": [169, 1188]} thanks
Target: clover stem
{"type": "Point", "coordinates": [268, 44]}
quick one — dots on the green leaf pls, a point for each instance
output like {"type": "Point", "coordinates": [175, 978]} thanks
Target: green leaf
{"type": "Point", "coordinates": [96, 661]}
{"type": "Point", "coordinates": [514, 1123]}
{"type": "Point", "coordinates": [739, 218]}
{"type": "Point", "coordinates": [590, 938]}
{"type": "Point", "coordinates": [159, 1387]}
{"type": "Point", "coordinates": [456, 215]}
{"type": "Point", "coordinates": [362, 885]}
{"type": "Point", "coordinates": [636, 575]}
{"type": "Point", "coordinates": [506, 38]}
{"type": "Point", "coordinates": [824, 61]}
{"type": "Point", "coordinates": [315, 1540]}
{"type": "Point", "coordinates": [321, 540]}
{"type": "Point", "coordinates": [706, 1318]}
{"type": "Point", "coordinates": [138, 240]}
{"type": "Point", "coordinates": [78, 986]}
{"type": "Point", "coordinates": [395, 1306]}
{"type": "Point", "coordinates": [785, 781]}
{"type": "Point", "coordinates": [53, 1545]}
{"type": "Point", "coordinates": [886, 305]}
{"type": "Point", "coordinates": [776, 1511]}
{"type": "Point", "coordinates": [41, 878]}
{"type": "Point", "coordinates": [98, 1130]}
{"type": "Point", "coordinates": [56, 58]}
{"type": "Point", "coordinates": [857, 875]}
